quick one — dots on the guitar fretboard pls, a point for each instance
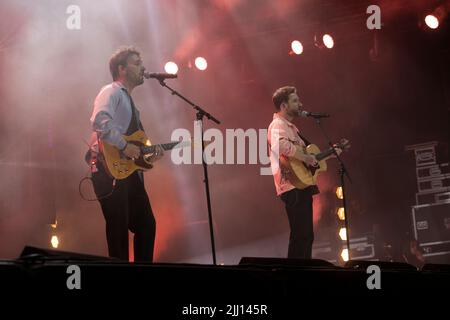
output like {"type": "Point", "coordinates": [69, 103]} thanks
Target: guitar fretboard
{"type": "Point", "coordinates": [324, 154]}
{"type": "Point", "coordinates": [165, 146]}
{"type": "Point", "coordinates": [328, 152]}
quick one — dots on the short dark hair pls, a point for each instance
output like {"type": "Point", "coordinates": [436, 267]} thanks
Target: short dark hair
{"type": "Point", "coordinates": [282, 95]}
{"type": "Point", "coordinates": [119, 58]}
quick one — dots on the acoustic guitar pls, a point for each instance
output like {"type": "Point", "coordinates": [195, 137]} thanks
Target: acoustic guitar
{"type": "Point", "coordinates": [302, 175]}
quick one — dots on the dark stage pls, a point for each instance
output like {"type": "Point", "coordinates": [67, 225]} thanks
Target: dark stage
{"type": "Point", "coordinates": [255, 280]}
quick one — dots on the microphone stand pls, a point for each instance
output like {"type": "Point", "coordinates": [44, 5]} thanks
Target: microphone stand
{"type": "Point", "coordinates": [343, 172]}
{"type": "Point", "coordinates": [199, 117]}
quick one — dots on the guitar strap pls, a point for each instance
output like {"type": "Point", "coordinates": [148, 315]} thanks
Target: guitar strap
{"type": "Point", "coordinates": [135, 123]}
{"type": "Point", "coordinates": [304, 139]}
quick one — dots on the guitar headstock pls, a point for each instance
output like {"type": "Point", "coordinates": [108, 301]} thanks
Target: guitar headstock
{"type": "Point", "coordinates": [344, 144]}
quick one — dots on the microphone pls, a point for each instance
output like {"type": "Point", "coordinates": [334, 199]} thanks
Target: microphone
{"type": "Point", "coordinates": [316, 115]}
{"type": "Point", "coordinates": [160, 76]}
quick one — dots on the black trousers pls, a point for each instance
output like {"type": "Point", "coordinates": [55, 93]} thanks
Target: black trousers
{"type": "Point", "coordinates": [127, 208]}
{"type": "Point", "coordinates": [299, 208]}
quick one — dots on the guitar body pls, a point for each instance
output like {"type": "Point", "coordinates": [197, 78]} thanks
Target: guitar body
{"type": "Point", "coordinates": [117, 164]}
{"type": "Point", "coordinates": [300, 174]}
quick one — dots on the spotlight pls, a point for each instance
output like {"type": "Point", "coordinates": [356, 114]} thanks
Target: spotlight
{"type": "Point", "coordinates": [296, 47]}
{"type": "Point", "coordinates": [324, 41]}
{"type": "Point", "coordinates": [201, 63]}
{"type": "Point", "coordinates": [328, 41]}
{"type": "Point", "coordinates": [54, 241]}
{"type": "Point", "coordinates": [344, 255]}
{"type": "Point", "coordinates": [343, 234]}
{"type": "Point", "coordinates": [432, 21]}
{"type": "Point", "coordinates": [435, 18]}
{"type": "Point", "coordinates": [341, 213]}
{"type": "Point", "coordinates": [171, 67]}
{"type": "Point", "coordinates": [339, 193]}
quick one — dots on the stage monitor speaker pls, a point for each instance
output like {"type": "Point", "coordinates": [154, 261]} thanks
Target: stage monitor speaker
{"type": "Point", "coordinates": [285, 262]}
{"type": "Point", "coordinates": [433, 267]}
{"type": "Point", "coordinates": [33, 253]}
{"type": "Point", "coordinates": [384, 265]}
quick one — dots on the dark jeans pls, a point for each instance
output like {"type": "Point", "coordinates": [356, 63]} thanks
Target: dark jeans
{"type": "Point", "coordinates": [299, 208]}
{"type": "Point", "coordinates": [128, 207]}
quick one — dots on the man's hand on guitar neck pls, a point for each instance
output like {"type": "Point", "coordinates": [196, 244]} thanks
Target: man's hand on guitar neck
{"type": "Point", "coordinates": [159, 152]}
{"type": "Point", "coordinates": [338, 151]}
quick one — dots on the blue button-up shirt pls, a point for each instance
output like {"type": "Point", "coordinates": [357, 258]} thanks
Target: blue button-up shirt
{"type": "Point", "coordinates": [112, 115]}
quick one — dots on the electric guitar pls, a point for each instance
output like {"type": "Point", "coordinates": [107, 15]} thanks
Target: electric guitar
{"type": "Point", "coordinates": [302, 175]}
{"type": "Point", "coordinates": [120, 166]}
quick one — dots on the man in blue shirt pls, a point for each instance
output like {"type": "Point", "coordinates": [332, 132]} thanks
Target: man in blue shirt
{"type": "Point", "coordinates": [124, 202]}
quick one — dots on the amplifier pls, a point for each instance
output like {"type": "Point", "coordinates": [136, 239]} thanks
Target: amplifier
{"type": "Point", "coordinates": [431, 226]}
{"type": "Point", "coordinates": [362, 248]}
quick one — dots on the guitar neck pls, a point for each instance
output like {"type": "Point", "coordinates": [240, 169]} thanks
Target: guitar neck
{"type": "Point", "coordinates": [324, 154]}
{"type": "Point", "coordinates": [165, 146]}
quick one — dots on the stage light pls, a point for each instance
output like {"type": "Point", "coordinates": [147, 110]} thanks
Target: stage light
{"type": "Point", "coordinates": [343, 234]}
{"type": "Point", "coordinates": [432, 21]}
{"type": "Point", "coordinates": [328, 41]}
{"type": "Point", "coordinates": [296, 47]}
{"type": "Point", "coordinates": [171, 67]}
{"type": "Point", "coordinates": [339, 193]}
{"type": "Point", "coordinates": [54, 241]}
{"type": "Point", "coordinates": [344, 255]}
{"type": "Point", "coordinates": [341, 213]}
{"type": "Point", "coordinates": [201, 63]}
{"type": "Point", "coordinates": [323, 41]}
